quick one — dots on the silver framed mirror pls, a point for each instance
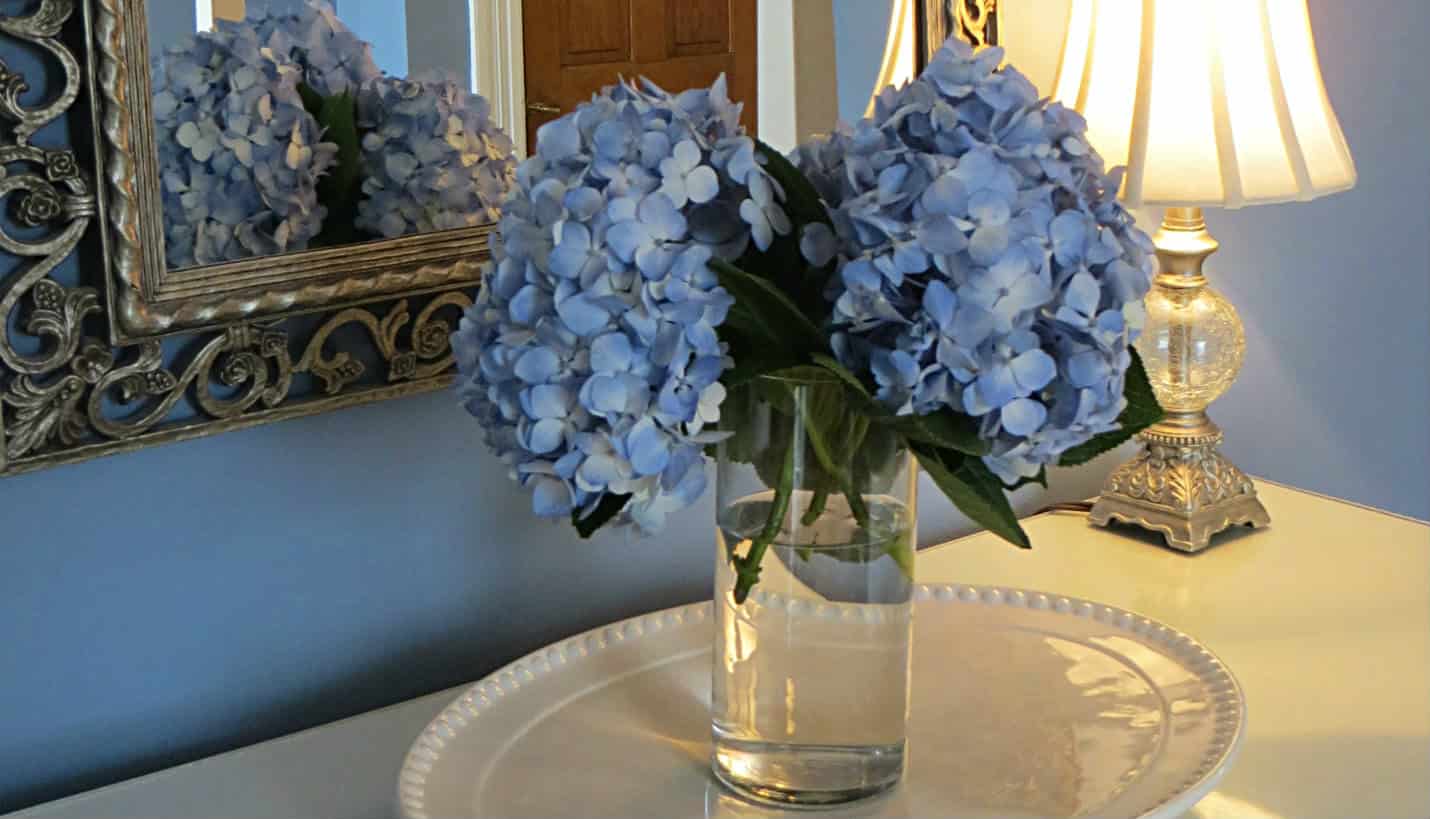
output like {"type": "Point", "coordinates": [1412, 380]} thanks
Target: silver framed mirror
{"type": "Point", "coordinates": [149, 297]}
{"type": "Point", "coordinates": [107, 346]}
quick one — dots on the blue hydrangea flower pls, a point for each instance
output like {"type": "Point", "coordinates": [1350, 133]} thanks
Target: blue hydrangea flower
{"type": "Point", "coordinates": [239, 157]}
{"type": "Point", "coordinates": [330, 56]}
{"type": "Point", "coordinates": [985, 265]}
{"type": "Point", "coordinates": [591, 356]}
{"type": "Point", "coordinates": [433, 158]}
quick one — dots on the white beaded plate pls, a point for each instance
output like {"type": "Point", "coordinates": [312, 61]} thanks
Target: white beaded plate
{"type": "Point", "coordinates": [1024, 705]}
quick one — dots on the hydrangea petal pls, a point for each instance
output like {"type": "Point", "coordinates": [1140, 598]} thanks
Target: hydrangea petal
{"type": "Point", "coordinates": [551, 498]}
{"type": "Point", "coordinates": [1033, 370]}
{"type": "Point", "coordinates": [1023, 416]}
{"type": "Point", "coordinates": [537, 365]}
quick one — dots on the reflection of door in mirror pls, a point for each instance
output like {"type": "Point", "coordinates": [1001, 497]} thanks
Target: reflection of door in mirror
{"type": "Point", "coordinates": [576, 47]}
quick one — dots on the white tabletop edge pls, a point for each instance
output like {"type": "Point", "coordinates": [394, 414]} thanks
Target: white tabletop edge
{"type": "Point", "coordinates": [427, 707]}
{"type": "Point", "coordinates": [439, 699]}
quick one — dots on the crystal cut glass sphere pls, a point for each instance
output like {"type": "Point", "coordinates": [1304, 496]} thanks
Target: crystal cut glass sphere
{"type": "Point", "coordinates": [1192, 345]}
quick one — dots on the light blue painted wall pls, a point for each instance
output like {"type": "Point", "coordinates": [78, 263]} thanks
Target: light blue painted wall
{"type": "Point", "coordinates": [1335, 395]}
{"type": "Point", "coordinates": [439, 38]}
{"type": "Point", "coordinates": [861, 28]}
{"type": "Point", "coordinates": [184, 600]}
{"type": "Point", "coordinates": [169, 21]}
{"type": "Point", "coordinates": [382, 23]}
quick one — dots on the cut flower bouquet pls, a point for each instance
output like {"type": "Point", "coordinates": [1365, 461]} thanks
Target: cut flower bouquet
{"type": "Point", "coordinates": [956, 268]}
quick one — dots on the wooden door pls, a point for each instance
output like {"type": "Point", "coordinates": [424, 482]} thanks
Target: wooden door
{"type": "Point", "coordinates": [576, 47]}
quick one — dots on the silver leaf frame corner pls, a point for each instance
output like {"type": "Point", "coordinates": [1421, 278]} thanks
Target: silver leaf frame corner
{"type": "Point", "coordinates": [111, 353]}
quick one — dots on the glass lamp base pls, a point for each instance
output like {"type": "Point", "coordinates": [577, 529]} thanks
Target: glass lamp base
{"type": "Point", "coordinates": [1181, 486]}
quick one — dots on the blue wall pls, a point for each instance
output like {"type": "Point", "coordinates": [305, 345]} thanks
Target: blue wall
{"type": "Point", "coordinates": [861, 29]}
{"type": "Point", "coordinates": [184, 600]}
{"type": "Point", "coordinates": [1335, 294]}
{"type": "Point", "coordinates": [376, 22]}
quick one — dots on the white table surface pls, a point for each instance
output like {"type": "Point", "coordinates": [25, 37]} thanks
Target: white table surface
{"type": "Point", "coordinates": [1325, 619]}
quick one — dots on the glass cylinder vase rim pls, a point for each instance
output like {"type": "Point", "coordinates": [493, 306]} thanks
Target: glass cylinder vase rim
{"type": "Point", "coordinates": [812, 379]}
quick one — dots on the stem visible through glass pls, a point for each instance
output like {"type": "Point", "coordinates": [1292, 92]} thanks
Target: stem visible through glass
{"type": "Point", "coordinates": [747, 568]}
{"type": "Point", "coordinates": [816, 507]}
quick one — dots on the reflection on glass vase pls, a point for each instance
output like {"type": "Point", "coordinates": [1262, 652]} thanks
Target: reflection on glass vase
{"type": "Point", "coordinates": [813, 596]}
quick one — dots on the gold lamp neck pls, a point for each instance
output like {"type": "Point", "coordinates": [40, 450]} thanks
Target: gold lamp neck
{"type": "Point", "coordinates": [1183, 245]}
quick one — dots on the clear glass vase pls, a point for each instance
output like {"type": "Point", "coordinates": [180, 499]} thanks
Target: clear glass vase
{"type": "Point", "coordinates": [813, 596]}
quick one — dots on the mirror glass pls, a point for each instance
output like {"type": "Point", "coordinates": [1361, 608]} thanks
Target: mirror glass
{"type": "Point", "coordinates": [291, 125]}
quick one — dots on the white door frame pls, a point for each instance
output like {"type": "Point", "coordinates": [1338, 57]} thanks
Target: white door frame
{"type": "Point", "coordinates": [498, 67]}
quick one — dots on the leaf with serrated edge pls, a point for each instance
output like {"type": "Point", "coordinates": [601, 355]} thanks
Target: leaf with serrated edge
{"type": "Point", "coordinates": [945, 429]}
{"type": "Point", "coordinates": [975, 491]}
{"type": "Point", "coordinates": [771, 309]}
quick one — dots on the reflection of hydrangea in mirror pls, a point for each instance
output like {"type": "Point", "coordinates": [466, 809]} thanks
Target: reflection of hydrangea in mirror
{"type": "Point", "coordinates": [433, 158]}
{"type": "Point", "coordinates": [591, 357]}
{"type": "Point", "coordinates": [239, 156]}
{"type": "Point", "coordinates": [985, 264]}
{"type": "Point", "coordinates": [248, 168]}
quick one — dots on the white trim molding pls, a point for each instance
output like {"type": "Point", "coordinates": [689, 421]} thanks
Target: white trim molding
{"type": "Point", "coordinates": [498, 67]}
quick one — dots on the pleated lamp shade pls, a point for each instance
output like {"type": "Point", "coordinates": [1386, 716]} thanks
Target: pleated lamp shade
{"type": "Point", "coordinates": [1210, 104]}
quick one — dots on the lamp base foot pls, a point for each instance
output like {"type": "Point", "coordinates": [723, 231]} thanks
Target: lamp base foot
{"type": "Point", "coordinates": [1181, 486]}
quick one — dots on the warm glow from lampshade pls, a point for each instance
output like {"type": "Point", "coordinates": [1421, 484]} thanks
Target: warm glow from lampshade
{"type": "Point", "coordinates": [1216, 103]}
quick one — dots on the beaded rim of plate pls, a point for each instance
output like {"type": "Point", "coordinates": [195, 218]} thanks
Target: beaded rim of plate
{"type": "Point", "coordinates": [1228, 701]}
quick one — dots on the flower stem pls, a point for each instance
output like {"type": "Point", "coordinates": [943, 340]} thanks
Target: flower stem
{"type": "Point", "coordinates": [857, 507]}
{"type": "Point", "coordinates": [816, 507]}
{"type": "Point", "coordinates": [747, 568]}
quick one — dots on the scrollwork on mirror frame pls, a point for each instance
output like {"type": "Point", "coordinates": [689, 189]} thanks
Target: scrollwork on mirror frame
{"type": "Point", "coordinates": [67, 394]}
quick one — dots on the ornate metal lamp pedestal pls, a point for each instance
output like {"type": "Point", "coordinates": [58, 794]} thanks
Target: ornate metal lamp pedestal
{"type": "Point", "coordinates": [1193, 342]}
{"type": "Point", "coordinates": [1181, 486]}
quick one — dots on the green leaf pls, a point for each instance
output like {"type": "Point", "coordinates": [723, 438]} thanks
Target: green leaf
{"type": "Point", "coordinates": [606, 509]}
{"type": "Point", "coordinates": [1142, 411]}
{"type": "Point", "coordinates": [748, 367]}
{"type": "Point", "coordinates": [312, 100]}
{"type": "Point", "coordinates": [944, 429]}
{"type": "Point", "coordinates": [974, 490]}
{"type": "Point", "coordinates": [339, 189]}
{"type": "Point", "coordinates": [845, 374]}
{"type": "Point", "coordinates": [802, 201]}
{"type": "Point", "coordinates": [769, 309]}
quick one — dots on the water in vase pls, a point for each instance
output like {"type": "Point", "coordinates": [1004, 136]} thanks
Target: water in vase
{"type": "Point", "coordinates": [812, 669]}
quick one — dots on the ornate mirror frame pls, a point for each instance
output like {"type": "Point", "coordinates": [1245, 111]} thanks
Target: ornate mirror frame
{"type": "Point", "coordinates": [104, 358]}
{"type": "Point", "coordinates": [146, 299]}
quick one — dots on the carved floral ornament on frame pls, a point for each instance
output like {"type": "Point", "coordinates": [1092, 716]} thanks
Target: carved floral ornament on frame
{"type": "Point", "coordinates": [105, 348]}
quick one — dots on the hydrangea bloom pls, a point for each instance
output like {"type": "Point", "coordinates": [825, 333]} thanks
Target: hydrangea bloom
{"type": "Point", "coordinates": [985, 264]}
{"type": "Point", "coordinates": [239, 156]}
{"type": "Point", "coordinates": [433, 159]}
{"type": "Point", "coordinates": [332, 58]}
{"type": "Point", "coordinates": [591, 356]}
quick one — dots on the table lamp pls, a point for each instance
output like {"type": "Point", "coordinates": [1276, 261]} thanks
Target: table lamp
{"type": "Point", "coordinates": [1211, 104]}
